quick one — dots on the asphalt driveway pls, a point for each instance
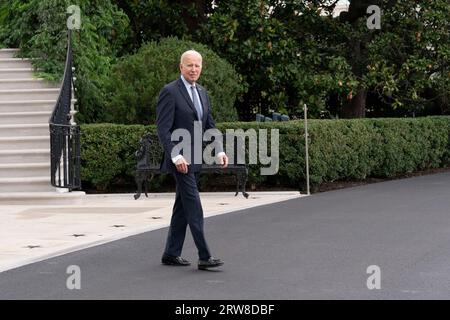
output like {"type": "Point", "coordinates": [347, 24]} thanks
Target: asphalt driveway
{"type": "Point", "coordinates": [317, 247]}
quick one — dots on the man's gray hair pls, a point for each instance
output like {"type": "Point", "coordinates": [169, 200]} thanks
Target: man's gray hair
{"type": "Point", "coordinates": [188, 53]}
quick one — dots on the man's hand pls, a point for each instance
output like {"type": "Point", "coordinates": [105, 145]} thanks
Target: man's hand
{"type": "Point", "coordinates": [223, 160]}
{"type": "Point", "coordinates": [182, 165]}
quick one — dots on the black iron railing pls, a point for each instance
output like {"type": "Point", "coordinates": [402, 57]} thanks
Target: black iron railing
{"type": "Point", "coordinates": [65, 135]}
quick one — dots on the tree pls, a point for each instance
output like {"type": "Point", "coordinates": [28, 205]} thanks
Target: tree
{"type": "Point", "coordinates": [409, 59]}
{"type": "Point", "coordinates": [357, 41]}
{"type": "Point", "coordinates": [157, 19]}
{"type": "Point", "coordinates": [288, 52]}
{"type": "Point", "coordinates": [294, 52]}
{"type": "Point", "coordinates": [39, 29]}
{"type": "Point", "coordinates": [282, 48]}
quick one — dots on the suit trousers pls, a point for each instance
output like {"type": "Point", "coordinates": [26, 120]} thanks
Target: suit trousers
{"type": "Point", "coordinates": [187, 210]}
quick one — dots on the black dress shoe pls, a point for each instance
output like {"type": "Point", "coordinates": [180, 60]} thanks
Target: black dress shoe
{"type": "Point", "coordinates": [210, 263]}
{"type": "Point", "coordinates": [174, 261]}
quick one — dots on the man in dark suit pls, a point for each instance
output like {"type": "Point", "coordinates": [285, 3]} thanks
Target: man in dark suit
{"type": "Point", "coordinates": [184, 105]}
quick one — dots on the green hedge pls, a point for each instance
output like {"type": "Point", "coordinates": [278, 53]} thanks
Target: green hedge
{"type": "Point", "coordinates": [339, 149]}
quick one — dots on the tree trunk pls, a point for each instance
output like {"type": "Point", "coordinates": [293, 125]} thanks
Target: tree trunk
{"type": "Point", "coordinates": [356, 108]}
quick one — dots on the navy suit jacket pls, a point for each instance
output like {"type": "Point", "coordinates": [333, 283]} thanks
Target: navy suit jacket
{"type": "Point", "coordinates": [175, 110]}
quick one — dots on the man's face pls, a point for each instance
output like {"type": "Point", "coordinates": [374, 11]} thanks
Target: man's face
{"type": "Point", "coordinates": [191, 67]}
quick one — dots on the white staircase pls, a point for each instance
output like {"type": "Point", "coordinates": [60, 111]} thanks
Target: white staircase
{"type": "Point", "coordinates": [26, 104]}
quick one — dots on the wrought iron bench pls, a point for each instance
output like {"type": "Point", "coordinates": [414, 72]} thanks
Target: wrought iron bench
{"type": "Point", "coordinates": [149, 158]}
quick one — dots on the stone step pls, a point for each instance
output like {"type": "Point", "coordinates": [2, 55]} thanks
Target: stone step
{"type": "Point", "coordinates": [24, 117]}
{"type": "Point", "coordinates": [28, 105]}
{"type": "Point", "coordinates": [27, 142]}
{"type": "Point", "coordinates": [26, 184]}
{"type": "Point", "coordinates": [17, 73]}
{"type": "Point", "coordinates": [29, 94]}
{"type": "Point", "coordinates": [8, 52]}
{"type": "Point", "coordinates": [14, 63]}
{"type": "Point", "coordinates": [20, 170]}
{"type": "Point", "coordinates": [24, 156]}
{"type": "Point", "coordinates": [37, 83]}
{"type": "Point", "coordinates": [22, 130]}
{"type": "Point", "coordinates": [42, 198]}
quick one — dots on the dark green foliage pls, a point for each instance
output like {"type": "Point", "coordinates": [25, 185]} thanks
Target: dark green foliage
{"type": "Point", "coordinates": [152, 20]}
{"type": "Point", "coordinates": [137, 79]}
{"type": "Point", "coordinates": [293, 52]}
{"type": "Point", "coordinates": [288, 52]}
{"type": "Point", "coordinates": [39, 29]}
{"type": "Point", "coordinates": [408, 61]}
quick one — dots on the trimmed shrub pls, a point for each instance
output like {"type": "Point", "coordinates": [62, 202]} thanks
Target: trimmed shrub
{"type": "Point", "coordinates": [137, 79]}
{"type": "Point", "coordinates": [107, 151]}
{"type": "Point", "coordinates": [339, 149]}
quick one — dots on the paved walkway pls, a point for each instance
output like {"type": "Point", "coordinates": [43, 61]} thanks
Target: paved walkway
{"type": "Point", "coordinates": [32, 233]}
